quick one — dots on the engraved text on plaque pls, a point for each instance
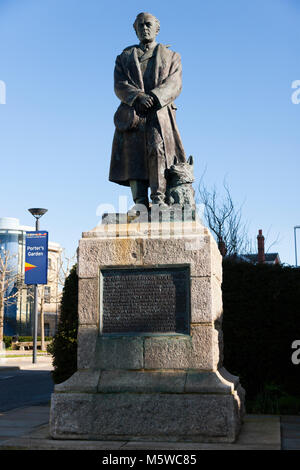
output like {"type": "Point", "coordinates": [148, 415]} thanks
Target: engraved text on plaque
{"type": "Point", "coordinates": [145, 300]}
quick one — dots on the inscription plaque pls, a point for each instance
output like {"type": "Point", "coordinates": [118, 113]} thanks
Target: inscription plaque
{"type": "Point", "coordinates": [145, 300]}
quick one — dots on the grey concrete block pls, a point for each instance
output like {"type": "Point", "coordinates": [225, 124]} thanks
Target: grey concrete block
{"type": "Point", "coordinates": [142, 381]}
{"type": "Point", "coordinates": [167, 352]}
{"type": "Point", "coordinates": [94, 253]}
{"type": "Point", "coordinates": [71, 414]}
{"type": "Point", "coordinates": [180, 251]}
{"type": "Point", "coordinates": [82, 381]}
{"type": "Point", "coordinates": [206, 299]}
{"type": "Point", "coordinates": [120, 352]}
{"type": "Point", "coordinates": [207, 382]}
{"type": "Point", "coordinates": [205, 350]}
{"type": "Point", "coordinates": [86, 349]}
{"type": "Point", "coordinates": [88, 301]}
{"type": "Point", "coordinates": [229, 377]}
{"type": "Point", "coordinates": [196, 417]}
{"type": "Point", "coordinates": [137, 247]}
{"type": "Point", "coordinates": [198, 351]}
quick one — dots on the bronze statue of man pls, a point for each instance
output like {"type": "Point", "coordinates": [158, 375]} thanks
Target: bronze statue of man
{"type": "Point", "coordinates": [147, 80]}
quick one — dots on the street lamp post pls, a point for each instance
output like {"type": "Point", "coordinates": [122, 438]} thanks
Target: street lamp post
{"type": "Point", "coordinates": [37, 214]}
{"type": "Point", "coordinates": [295, 228]}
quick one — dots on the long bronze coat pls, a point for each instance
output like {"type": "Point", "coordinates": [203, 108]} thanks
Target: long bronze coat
{"type": "Point", "coordinates": [129, 156]}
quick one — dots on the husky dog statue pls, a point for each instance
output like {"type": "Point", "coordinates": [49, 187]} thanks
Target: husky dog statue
{"type": "Point", "coordinates": [180, 177]}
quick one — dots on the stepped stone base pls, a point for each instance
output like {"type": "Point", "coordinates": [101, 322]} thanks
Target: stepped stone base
{"type": "Point", "coordinates": [144, 385]}
{"type": "Point", "coordinates": [168, 406]}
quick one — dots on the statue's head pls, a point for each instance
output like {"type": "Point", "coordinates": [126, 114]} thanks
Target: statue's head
{"type": "Point", "coordinates": [146, 27]}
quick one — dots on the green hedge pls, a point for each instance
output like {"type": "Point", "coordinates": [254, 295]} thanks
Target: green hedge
{"type": "Point", "coordinates": [261, 320]}
{"type": "Point", "coordinates": [8, 339]}
{"type": "Point", "coordinates": [24, 339]}
{"type": "Point", "coordinates": [64, 345]}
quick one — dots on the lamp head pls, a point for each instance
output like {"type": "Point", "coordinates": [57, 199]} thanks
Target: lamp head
{"type": "Point", "coordinates": [37, 212]}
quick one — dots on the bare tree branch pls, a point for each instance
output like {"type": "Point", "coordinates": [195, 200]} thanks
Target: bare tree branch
{"type": "Point", "coordinates": [223, 219]}
{"type": "Point", "coordinates": [57, 274]}
{"type": "Point", "coordinates": [9, 280]}
{"type": "Point", "coordinates": [275, 242]}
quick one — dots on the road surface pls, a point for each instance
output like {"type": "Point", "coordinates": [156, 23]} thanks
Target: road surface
{"type": "Point", "coordinates": [25, 386]}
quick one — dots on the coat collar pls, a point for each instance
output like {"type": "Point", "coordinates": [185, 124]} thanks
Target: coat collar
{"type": "Point", "coordinates": [147, 54]}
{"type": "Point", "coordinates": [148, 47]}
{"type": "Point", "coordinates": [133, 65]}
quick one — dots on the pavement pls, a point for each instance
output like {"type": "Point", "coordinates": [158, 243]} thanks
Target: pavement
{"type": "Point", "coordinates": [28, 428]}
{"type": "Point", "coordinates": [24, 362]}
{"type": "Point", "coordinates": [290, 432]}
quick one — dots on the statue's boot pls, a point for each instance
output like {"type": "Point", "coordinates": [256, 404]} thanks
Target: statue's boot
{"type": "Point", "coordinates": [157, 179]}
{"type": "Point", "coordinates": [139, 190]}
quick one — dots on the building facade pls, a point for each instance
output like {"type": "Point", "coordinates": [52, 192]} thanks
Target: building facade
{"type": "Point", "coordinates": [18, 309]}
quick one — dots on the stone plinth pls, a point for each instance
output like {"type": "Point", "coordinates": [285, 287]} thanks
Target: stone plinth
{"type": "Point", "coordinates": [148, 385]}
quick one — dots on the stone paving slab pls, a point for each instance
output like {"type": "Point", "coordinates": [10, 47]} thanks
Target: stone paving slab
{"type": "Point", "coordinates": [264, 429]}
{"type": "Point", "coordinates": [16, 423]}
{"type": "Point", "coordinates": [291, 420]}
{"type": "Point", "coordinates": [291, 444]}
{"type": "Point", "coordinates": [11, 431]}
{"type": "Point", "coordinates": [290, 432]}
{"type": "Point", "coordinates": [258, 432]}
{"type": "Point", "coordinates": [34, 410]}
{"type": "Point", "coordinates": [7, 423]}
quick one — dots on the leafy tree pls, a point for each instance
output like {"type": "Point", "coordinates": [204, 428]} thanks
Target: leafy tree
{"type": "Point", "coordinates": [64, 345]}
{"type": "Point", "coordinates": [9, 282]}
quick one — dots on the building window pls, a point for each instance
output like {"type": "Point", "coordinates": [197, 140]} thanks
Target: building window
{"type": "Point", "coordinates": [30, 294]}
{"type": "Point", "coordinates": [47, 294]}
{"type": "Point", "coordinates": [49, 263]}
{"type": "Point", "coordinates": [47, 329]}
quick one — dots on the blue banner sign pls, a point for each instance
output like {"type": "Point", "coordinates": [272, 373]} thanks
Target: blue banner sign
{"type": "Point", "coordinates": [36, 257]}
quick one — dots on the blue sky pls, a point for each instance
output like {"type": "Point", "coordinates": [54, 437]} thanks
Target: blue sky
{"type": "Point", "coordinates": [235, 113]}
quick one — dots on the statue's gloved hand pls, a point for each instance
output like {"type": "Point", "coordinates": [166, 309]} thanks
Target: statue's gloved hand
{"type": "Point", "coordinates": [143, 103]}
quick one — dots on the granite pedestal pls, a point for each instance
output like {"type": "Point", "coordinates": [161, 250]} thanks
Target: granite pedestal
{"type": "Point", "coordinates": [140, 377]}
